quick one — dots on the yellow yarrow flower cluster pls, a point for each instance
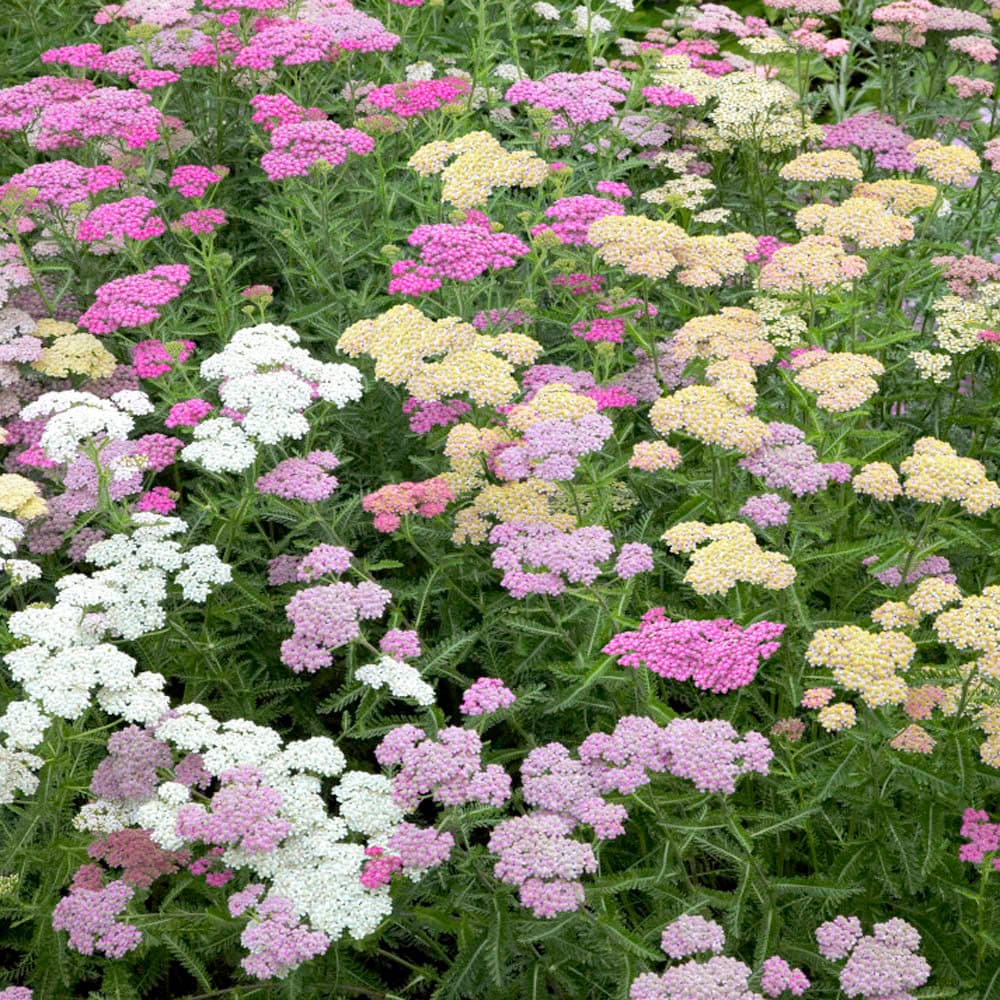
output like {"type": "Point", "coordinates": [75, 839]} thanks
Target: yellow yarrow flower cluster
{"type": "Point", "coordinates": [467, 448]}
{"type": "Point", "coordinates": [864, 221]}
{"type": "Point", "coordinates": [784, 328]}
{"type": "Point", "coordinates": [764, 112]}
{"type": "Point", "coordinates": [554, 401]}
{"type": "Point", "coordinates": [531, 501]}
{"type": "Point", "coordinates": [715, 414]}
{"type": "Point", "coordinates": [479, 164]}
{"type": "Point", "coordinates": [957, 165]}
{"type": "Point", "coordinates": [21, 497]}
{"type": "Point", "coordinates": [72, 352]}
{"type": "Point", "coordinates": [732, 333]}
{"type": "Point", "coordinates": [895, 615]}
{"type": "Point", "coordinates": [653, 248]}
{"type": "Point", "coordinates": [878, 480]}
{"type": "Point", "coordinates": [866, 662]}
{"type": "Point", "coordinates": [932, 594]}
{"type": "Point", "coordinates": [837, 717]}
{"type": "Point", "coordinates": [841, 380]}
{"type": "Point", "coordinates": [935, 472]}
{"type": "Point", "coordinates": [730, 556]}
{"type": "Point", "coordinates": [436, 359]}
{"type": "Point", "coordinates": [960, 320]}
{"type": "Point", "coordinates": [974, 624]}
{"type": "Point", "coordinates": [931, 365]}
{"type": "Point", "coordinates": [651, 456]}
{"type": "Point", "coordinates": [826, 165]}
{"type": "Point", "coordinates": [815, 263]}
{"type": "Point", "coordinates": [707, 261]}
{"type": "Point", "coordinates": [899, 196]}
{"type": "Point", "coordinates": [638, 244]}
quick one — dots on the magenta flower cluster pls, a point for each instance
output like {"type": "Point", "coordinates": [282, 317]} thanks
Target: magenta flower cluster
{"type": "Point", "coordinates": [715, 655]}
{"type": "Point", "coordinates": [459, 252]}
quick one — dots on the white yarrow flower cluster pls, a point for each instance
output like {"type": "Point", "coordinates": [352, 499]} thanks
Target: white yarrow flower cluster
{"type": "Point", "coordinates": [65, 662]}
{"type": "Point", "coordinates": [546, 11]}
{"type": "Point", "coordinates": [403, 680]}
{"type": "Point", "coordinates": [315, 866]}
{"type": "Point", "coordinates": [586, 22]}
{"type": "Point", "coordinates": [75, 417]}
{"type": "Point", "coordinates": [270, 381]}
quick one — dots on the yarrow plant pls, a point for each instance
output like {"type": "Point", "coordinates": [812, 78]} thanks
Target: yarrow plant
{"type": "Point", "coordinates": [499, 500]}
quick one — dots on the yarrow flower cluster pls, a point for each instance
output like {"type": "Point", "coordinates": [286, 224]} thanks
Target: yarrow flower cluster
{"type": "Point", "coordinates": [715, 655]}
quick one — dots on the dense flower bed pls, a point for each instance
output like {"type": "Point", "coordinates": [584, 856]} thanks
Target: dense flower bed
{"type": "Point", "coordinates": [499, 500]}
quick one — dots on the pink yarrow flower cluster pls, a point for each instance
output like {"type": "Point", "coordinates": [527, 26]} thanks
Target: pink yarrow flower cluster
{"type": "Point", "coordinates": [410, 99]}
{"type": "Point", "coordinates": [881, 966]}
{"type": "Point", "coordinates": [485, 696]}
{"type": "Point", "coordinates": [541, 559]}
{"type": "Point", "coordinates": [982, 836]}
{"type": "Point", "coordinates": [425, 415]}
{"type": "Point", "coordinates": [447, 768]}
{"type": "Point", "coordinates": [306, 478]}
{"type": "Point", "coordinates": [153, 358]}
{"type": "Point", "coordinates": [580, 98]}
{"type": "Point", "coordinates": [574, 216]}
{"type": "Point", "coordinates": [718, 977]}
{"type": "Point", "coordinates": [715, 655]}
{"type": "Point", "coordinates": [327, 617]}
{"type": "Point", "coordinates": [89, 914]}
{"type": "Point", "coordinates": [460, 252]}
{"type": "Point", "coordinates": [296, 148]}
{"type": "Point", "coordinates": [134, 300]}
{"type": "Point", "coordinates": [395, 501]}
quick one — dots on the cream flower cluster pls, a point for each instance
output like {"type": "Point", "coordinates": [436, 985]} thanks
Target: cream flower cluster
{"type": "Point", "coordinates": [436, 359]}
{"type": "Point", "coordinates": [732, 555]}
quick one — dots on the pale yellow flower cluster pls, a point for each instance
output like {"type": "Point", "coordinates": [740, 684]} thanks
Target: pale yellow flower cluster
{"type": "Point", "coordinates": [841, 380]}
{"type": "Point", "coordinates": [864, 221]}
{"type": "Point", "coordinates": [931, 365]}
{"type": "Point", "coordinates": [467, 448]}
{"type": "Point", "coordinates": [935, 472]}
{"type": "Point", "coordinates": [957, 165]}
{"type": "Point", "coordinates": [825, 165]}
{"type": "Point", "coordinates": [877, 479]}
{"type": "Point", "coordinates": [21, 497]}
{"type": "Point", "coordinates": [654, 248]}
{"type": "Point", "coordinates": [732, 333]}
{"type": "Point", "coordinates": [532, 501]}
{"type": "Point", "coordinates": [897, 195]}
{"type": "Point", "coordinates": [479, 165]}
{"type": "Point", "coordinates": [764, 112]}
{"type": "Point", "coordinates": [974, 624]}
{"type": "Point", "coordinates": [866, 662]}
{"type": "Point", "coordinates": [837, 717]}
{"type": "Point", "coordinates": [638, 244]}
{"type": "Point", "coordinates": [436, 359]}
{"type": "Point", "coordinates": [815, 263]}
{"type": "Point", "coordinates": [71, 352]}
{"type": "Point", "coordinates": [895, 614]}
{"type": "Point", "coordinates": [652, 456]}
{"type": "Point", "coordinates": [932, 594]}
{"type": "Point", "coordinates": [959, 320]}
{"type": "Point", "coordinates": [730, 556]}
{"type": "Point", "coordinates": [784, 328]}
{"type": "Point", "coordinates": [717, 413]}
{"type": "Point", "coordinates": [554, 401]}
